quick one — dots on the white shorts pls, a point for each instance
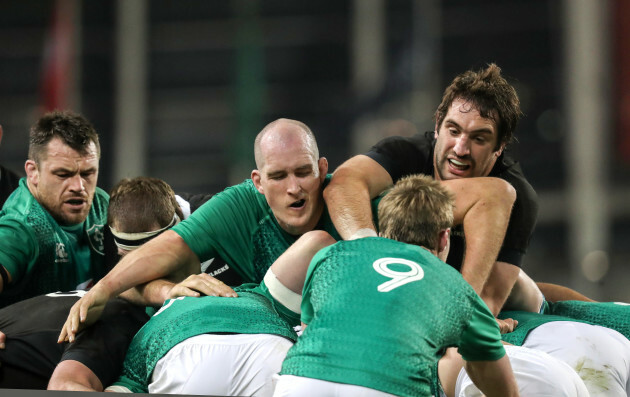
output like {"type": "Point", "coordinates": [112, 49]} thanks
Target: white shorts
{"type": "Point", "coordinates": [290, 385]}
{"type": "Point", "coordinates": [599, 355]}
{"type": "Point", "coordinates": [221, 365]}
{"type": "Point", "coordinates": [537, 374]}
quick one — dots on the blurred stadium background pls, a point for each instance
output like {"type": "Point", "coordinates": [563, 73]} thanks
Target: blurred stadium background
{"type": "Point", "coordinates": [178, 89]}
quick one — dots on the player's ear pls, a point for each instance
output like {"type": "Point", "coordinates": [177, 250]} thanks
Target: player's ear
{"type": "Point", "coordinates": [322, 165]}
{"type": "Point", "coordinates": [32, 172]}
{"type": "Point", "coordinates": [436, 130]}
{"type": "Point", "coordinates": [498, 152]}
{"type": "Point", "coordinates": [256, 179]}
{"type": "Point", "coordinates": [444, 243]}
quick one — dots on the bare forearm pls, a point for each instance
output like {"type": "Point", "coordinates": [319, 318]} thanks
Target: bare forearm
{"type": "Point", "coordinates": [555, 293]}
{"type": "Point", "coordinates": [159, 258]}
{"type": "Point", "coordinates": [290, 268]}
{"type": "Point", "coordinates": [484, 230]}
{"type": "Point", "coordinates": [153, 293]}
{"type": "Point", "coordinates": [525, 295]}
{"type": "Point", "coordinates": [355, 213]}
{"type": "Point", "coordinates": [349, 193]}
{"type": "Point", "coordinates": [484, 206]}
{"type": "Point", "coordinates": [497, 288]}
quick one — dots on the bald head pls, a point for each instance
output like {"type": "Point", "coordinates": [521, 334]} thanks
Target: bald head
{"type": "Point", "coordinates": [281, 132]}
{"type": "Point", "coordinates": [290, 174]}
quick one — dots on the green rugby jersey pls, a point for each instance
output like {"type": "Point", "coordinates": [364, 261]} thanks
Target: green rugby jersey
{"type": "Point", "coordinates": [239, 226]}
{"type": "Point", "coordinates": [380, 313]}
{"type": "Point", "coordinates": [254, 311]}
{"type": "Point", "coordinates": [614, 315]}
{"type": "Point", "coordinates": [44, 257]}
{"type": "Point", "coordinates": [527, 322]}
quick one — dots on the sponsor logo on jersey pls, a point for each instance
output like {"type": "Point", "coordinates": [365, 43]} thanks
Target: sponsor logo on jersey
{"type": "Point", "coordinates": [61, 255]}
{"type": "Point", "coordinates": [96, 237]}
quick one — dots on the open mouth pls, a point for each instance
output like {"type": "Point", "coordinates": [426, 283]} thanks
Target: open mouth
{"type": "Point", "coordinates": [75, 202]}
{"type": "Point", "coordinates": [458, 164]}
{"type": "Point", "coordinates": [298, 204]}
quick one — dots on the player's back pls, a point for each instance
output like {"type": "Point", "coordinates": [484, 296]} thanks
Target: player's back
{"type": "Point", "coordinates": [614, 315]}
{"type": "Point", "coordinates": [253, 312]}
{"type": "Point", "coordinates": [378, 313]}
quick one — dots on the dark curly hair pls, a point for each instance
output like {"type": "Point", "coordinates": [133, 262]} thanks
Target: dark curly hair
{"type": "Point", "coordinates": [490, 94]}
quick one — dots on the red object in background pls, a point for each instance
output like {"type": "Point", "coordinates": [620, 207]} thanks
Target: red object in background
{"type": "Point", "coordinates": [621, 12]}
{"type": "Point", "coordinates": [57, 73]}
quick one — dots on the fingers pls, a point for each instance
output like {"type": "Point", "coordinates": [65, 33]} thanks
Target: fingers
{"type": "Point", "coordinates": [208, 285]}
{"type": "Point", "coordinates": [508, 325]}
{"type": "Point", "coordinates": [63, 335]}
{"type": "Point", "coordinates": [180, 290]}
{"type": "Point", "coordinates": [83, 313]}
{"type": "Point", "coordinates": [213, 287]}
{"type": "Point", "coordinates": [66, 334]}
{"type": "Point", "coordinates": [202, 284]}
{"type": "Point", "coordinates": [3, 339]}
{"type": "Point", "coordinates": [67, 331]}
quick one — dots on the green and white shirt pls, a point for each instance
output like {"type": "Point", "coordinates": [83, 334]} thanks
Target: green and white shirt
{"type": "Point", "coordinates": [527, 322]}
{"type": "Point", "coordinates": [254, 311]}
{"type": "Point", "coordinates": [380, 313]}
{"type": "Point", "coordinates": [614, 315]}
{"type": "Point", "coordinates": [239, 226]}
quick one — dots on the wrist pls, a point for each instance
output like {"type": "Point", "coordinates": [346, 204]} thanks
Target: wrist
{"type": "Point", "coordinates": [103, 288]}
{"type": "Point", "coordinates": [156, 292]}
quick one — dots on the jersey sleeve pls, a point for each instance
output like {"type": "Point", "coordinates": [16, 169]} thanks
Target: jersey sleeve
{"type": "Point", "coordinates": [288, 315]}
{"type": "Point", "coordinates": [18, 248]}
{"type": "Point", "coordinates": [481, 340]}
{"type": "Point", "coordinates": [402, 156]}
{"type": "Point", "coordinates": [522, 220]}
{"type": "Point", "coordinates": [307, 306]}
{"type": "Point", "coordinates": [223, 225]}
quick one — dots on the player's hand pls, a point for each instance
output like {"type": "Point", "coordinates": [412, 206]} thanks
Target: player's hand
{"type": "Point", "coordinates": [3, 339]}
{"type": "Point", "coordinates": [83, 313]}
{"type": "Point", "coordinates": [507, 325]}
{"type": "Point", "coordinates": [201, 284]}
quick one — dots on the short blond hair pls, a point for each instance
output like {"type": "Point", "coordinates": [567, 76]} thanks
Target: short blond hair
{"type": "Point", "coordinates": [415, 211]}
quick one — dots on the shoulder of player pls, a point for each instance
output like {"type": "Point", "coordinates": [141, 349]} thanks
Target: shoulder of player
{"type": "Point", "coordinates": [421, 142]}
{"type": "Point", "coordinates": [510, 170]}
{"type": "Point", "coordinates": [101, 192]}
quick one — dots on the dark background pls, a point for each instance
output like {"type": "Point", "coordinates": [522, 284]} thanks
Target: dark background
{"type": "Point", "coordinates": [218, 71]}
